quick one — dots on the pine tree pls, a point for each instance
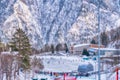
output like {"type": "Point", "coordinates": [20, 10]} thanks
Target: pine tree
{"type": "Point", "coordinates": [20, 42]}
{"type": "Point", "coordinates": [85, 52]}
{"type": "Point", "coordinates": [93, 41]}
{"type": "Point", "coordinates": [66, 48]}
{"type": "Point", "coordinates": [52, 48]}
{"type": "Point", "coordinates": [104, 38]}
{"type": "Point", "coordinates": [58, 47]}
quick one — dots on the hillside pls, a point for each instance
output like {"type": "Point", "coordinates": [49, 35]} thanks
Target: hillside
{"type": "Point", "coordinates": [57, 21]}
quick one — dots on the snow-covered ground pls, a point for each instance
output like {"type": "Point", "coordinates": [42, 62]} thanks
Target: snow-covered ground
{"type": "Point", "coordinates": [65, 64]}
{"type": "Point", "coordinates": [61, 63]}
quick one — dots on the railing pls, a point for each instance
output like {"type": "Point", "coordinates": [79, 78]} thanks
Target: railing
{"type": "Point", "coordinates": [112, 75]}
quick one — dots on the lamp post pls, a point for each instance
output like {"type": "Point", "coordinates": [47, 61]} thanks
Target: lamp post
{"type": "Point", "coordinates": [99, 39]}
{"type": "Point", "coordinates": [119, 8]}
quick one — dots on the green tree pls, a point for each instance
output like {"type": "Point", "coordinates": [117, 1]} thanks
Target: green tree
{"type": "Point", "coordinates": [66, 48]}
{"type": "Point", "coordinates": [58, 47]}
{"type": "Point", "coordinates": [20, 42]}
{"type": "Point", "coordinates": [52, 48]}
{"type": "Point", "coordinates": [93, 41]}
{"type": "Point", "coordinates": [104, 38]}
{"type": "Point", "coordinates": [85, 52]}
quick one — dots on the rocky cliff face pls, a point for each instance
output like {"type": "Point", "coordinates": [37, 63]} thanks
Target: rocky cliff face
{"type": "Point", "coordinates": [57, 21]}
{"type": "Point", "coordinates": [86, 25]}
{"type": "Point", "coordinates": [22, 18]}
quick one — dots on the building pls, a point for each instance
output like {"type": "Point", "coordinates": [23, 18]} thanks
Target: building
{"type": "Point", "coordinates": [78, 49]}
{"type": "Point", "coordinates": [105, 51]}
{"type": "Point", "coordinates": [96, 46]}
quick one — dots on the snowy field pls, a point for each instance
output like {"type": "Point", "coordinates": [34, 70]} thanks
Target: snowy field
{"type": "Point", "coordinates": [60, 64]}
{"type": "Point", "coordinates": [65, 64]}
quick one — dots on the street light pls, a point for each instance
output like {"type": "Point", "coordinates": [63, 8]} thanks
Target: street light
{"type": "Point", "coordinates": [119, 8]}
{"type": "Point", "coordinates": [99, 39]}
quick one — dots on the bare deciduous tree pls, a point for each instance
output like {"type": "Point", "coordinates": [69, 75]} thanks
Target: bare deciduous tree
{"type": "Point", "coordinates": [36, 64]}
{"type": "Point", "coordinates": [6, 67]}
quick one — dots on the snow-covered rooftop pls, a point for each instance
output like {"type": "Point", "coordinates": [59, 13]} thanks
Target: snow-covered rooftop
{"type": "Point", "coordinates": [109, 49]}
{"type": "Point", "coordinates": [80, 45]}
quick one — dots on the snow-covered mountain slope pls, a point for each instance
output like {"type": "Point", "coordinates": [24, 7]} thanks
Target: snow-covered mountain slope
{"type": "Point", "coordinates": [57, 21]}
{"type": "Point", "coordinates": [22, 18]}
{"type": "Point", "coordinates": [115, 44]}
{"type": "Point", "coordinates": [86, 26]}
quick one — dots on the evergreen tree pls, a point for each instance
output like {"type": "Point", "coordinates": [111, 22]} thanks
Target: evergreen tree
{"type": "Point", "coordinates": [20, 42]}
{"type": "Point", "coordinates": [66, 48]}
{"type": "Point", "coordinates": [93, 41]}
{"type": "Point", "coordinates": [104, 38]}
{"type": "Point", "coordinates": [85, 52]}
{"type": "Point", "coordinates": [52, 48]}
{"type": "Point", "coordinates": [46, 48]}
{"type": "Point", "coordinates": [59, 47]}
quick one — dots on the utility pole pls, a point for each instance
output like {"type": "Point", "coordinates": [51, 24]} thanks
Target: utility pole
{"type": "Point", "coordinates": [119, 8]}
{"type": "Point", "coordinates": [99, 78]}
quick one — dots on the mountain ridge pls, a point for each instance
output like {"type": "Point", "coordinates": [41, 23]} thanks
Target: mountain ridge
{"type": "Point", "coordinates": [59, 21]}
